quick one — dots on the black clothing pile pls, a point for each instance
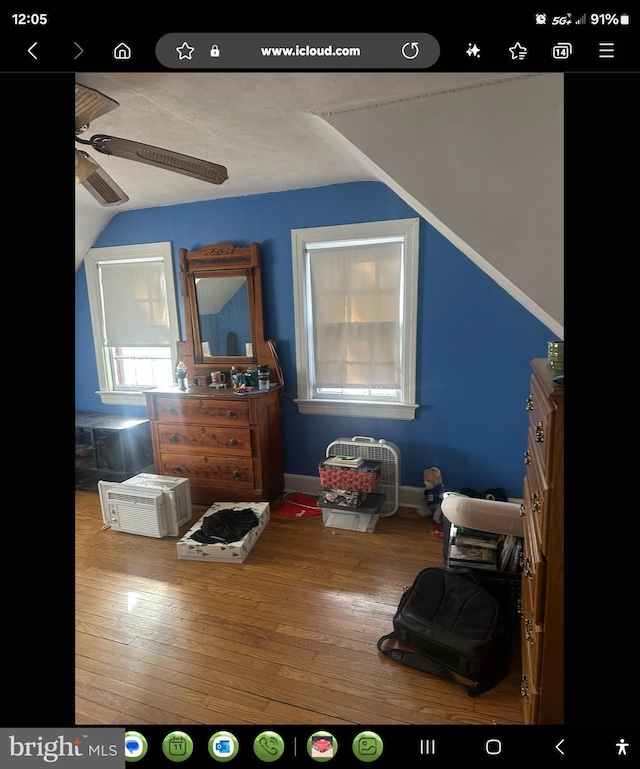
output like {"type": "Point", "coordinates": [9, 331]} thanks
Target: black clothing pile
{"type": "Point", "coordinates": [226, 526]}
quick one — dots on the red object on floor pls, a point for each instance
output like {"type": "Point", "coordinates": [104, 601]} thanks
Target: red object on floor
{"type": "Point", "coordinates": [299, 505]}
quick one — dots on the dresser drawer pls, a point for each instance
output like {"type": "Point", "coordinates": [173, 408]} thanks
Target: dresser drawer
{"type": "Point", "coordinates": [204, 439]}
{"type": "Point", "coordinates": [533, 571]}
{"type": "Point", "coordinates": [532, 637]}
{"type": "Point", "coordinates": [237, 473]}
{"type": "Point", "coordinates": [541, 423]}
{"type": "Point", "coordinates": [528, 687]}
{"type": "Point", "coordinates": [537, 497]}
{"type": "Point", "coordinates": [176, 409]}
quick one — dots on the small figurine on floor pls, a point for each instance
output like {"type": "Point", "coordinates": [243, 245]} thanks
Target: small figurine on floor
{"type": "Point", "coordinates": [433, 493]}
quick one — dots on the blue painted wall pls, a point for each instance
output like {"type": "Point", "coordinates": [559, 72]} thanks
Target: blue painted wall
{"type": "Point", "coordinates": [474, 340]}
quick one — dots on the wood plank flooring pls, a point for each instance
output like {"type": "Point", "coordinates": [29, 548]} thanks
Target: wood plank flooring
{"type": "Point", "coordinates": [287, 637]}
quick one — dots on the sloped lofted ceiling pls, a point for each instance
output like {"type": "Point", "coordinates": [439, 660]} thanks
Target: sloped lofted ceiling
{"type": "Point", "coordinates": [275, 132]}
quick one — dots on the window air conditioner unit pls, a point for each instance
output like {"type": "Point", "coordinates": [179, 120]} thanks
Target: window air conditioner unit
{"type": "Point", "coordinates": [147, 504]}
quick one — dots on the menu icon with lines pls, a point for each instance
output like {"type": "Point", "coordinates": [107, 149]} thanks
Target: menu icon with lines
{"type": "Point", "coordinates": [606, 50]}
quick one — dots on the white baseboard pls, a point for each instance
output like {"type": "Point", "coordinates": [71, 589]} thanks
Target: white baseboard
{"type": "Point", "coordinates": [409, 496]}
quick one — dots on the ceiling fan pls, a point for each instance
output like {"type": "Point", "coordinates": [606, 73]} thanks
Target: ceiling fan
{"type": "Point", "coordinates": [91, 104]}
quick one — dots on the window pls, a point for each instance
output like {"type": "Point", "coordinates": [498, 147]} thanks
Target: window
{"type": "Point", "coordinates": [134, 318]}
{"type": "Point", "coordinates": [355, 301]}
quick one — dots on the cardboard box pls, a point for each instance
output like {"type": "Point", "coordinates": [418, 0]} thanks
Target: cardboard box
{"type": "Point", "coordinates": [343, 497]}
{"type": "Point", "coordinates": [190, 549]}
{"type": "Point", "coordinates": [365, 477]}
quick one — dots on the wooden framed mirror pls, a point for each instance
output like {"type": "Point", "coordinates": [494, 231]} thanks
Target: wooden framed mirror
{"type": "Point", "coordinates": [222, 294]}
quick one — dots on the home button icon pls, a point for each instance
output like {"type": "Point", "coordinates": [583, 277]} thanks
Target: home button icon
{"type": "Point", "coordinates": [493, 747]}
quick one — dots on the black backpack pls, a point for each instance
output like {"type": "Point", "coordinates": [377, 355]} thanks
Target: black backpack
{"type": "Point", "coordinates": [455, 627]}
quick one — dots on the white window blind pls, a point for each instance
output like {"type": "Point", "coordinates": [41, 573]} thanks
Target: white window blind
{"type": "Point", "coordinates": [357, 319]}
{"type": "Point", "coordinates": [134, 300]}
{"type": "Point", "coordinates": [134, 318]}
{"type": "Point", "coordinates": [355, 304]}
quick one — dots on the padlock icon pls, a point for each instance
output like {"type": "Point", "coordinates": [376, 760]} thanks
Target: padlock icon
{"type": "Point", "coordinates": [215, 51]}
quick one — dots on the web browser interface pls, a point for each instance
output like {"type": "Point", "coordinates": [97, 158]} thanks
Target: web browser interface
{"type": "Point", "coordinates": [588, 55]}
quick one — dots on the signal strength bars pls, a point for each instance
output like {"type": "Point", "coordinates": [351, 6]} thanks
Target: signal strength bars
{"type": "Point", "coordinates": [582, 19]}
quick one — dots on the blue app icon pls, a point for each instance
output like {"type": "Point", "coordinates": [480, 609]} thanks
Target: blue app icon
{"type": "Point", "coordinates": [223, 746]}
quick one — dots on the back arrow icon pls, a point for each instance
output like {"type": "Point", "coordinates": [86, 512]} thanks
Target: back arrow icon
{"type": "Point", "coordinates": [30, 50]}
{"type": "Point", "coordinates": [558, 747]}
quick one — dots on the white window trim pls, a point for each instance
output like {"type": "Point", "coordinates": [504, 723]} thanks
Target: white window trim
{"type": "Point", "coordinates": [407, 228]}
{"type": "Point", "coordinates": [107, 393]}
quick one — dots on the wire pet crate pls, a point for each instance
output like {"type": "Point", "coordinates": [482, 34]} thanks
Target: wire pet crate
{"type": "Point", "coordinates": [378, 450]}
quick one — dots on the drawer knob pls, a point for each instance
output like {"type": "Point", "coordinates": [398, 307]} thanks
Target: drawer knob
{"type": "Point", "coordinates": [236, 474]}
{"type": "Point", "coordinates": [233, 442]}
{"type": "Point", "coordinates": [173, 410]}
{"type": "Point", "coordinates": [539, 433]}
{"type": "Point", "coordinates": [535, 502]}
{"type": "Point", "coordinates": [530, 403]}
{"type": "Point", "coordinates": [527, 458]}
{"type": "Point", "coordinates": [232, 414]}
{"type": "Point", "coordinates": [528, 631]}
{"type": "Point", "coordinates": [174, 438]}
{"type": "Point", "coordinates": [176, 469]}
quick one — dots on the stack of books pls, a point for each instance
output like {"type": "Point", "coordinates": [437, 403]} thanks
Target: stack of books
{"type": "Point", "coordinates": [350, 461]}
{"type": "Point", "coordinates": [474, 549]}
{"type": "Point", "coordinates": [510, 554]}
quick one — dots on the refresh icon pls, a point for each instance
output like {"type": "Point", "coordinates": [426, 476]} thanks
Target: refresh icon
{"type": "Point", "coordinates": [410, 50]}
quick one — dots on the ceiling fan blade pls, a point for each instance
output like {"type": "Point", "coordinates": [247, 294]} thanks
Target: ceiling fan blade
{"type": "Point", "coordinates": [97, 181]}
{"type": "Point", "coordinates": [90, 104]}
{"type": "Point", "coordinates": [161, 158]}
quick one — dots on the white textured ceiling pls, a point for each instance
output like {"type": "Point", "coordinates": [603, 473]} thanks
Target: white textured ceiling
{"type": "Point", "coordinates": [261, 126]}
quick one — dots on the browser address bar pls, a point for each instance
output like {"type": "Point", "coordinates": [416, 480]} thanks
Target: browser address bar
{"type": "Point", "coordinates": [304, 50]}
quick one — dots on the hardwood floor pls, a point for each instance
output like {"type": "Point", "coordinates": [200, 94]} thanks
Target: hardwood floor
{"type": "Point", "coordinates": [287, 637]}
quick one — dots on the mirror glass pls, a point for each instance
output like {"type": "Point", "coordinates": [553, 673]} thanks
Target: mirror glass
{"type": "Point", "coordinates": [223, 316]}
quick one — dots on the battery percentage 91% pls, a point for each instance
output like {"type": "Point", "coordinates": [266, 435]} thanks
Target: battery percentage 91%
{"type": "Point", "coordinates": [604, 18]}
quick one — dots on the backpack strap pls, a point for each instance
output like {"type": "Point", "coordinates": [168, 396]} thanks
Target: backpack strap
{"type": "Point", "coordinates": [420, 661]}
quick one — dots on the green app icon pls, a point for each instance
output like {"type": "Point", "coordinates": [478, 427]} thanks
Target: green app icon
{"type": "Point", "coordinates": [177, 746]}
{"type": "Point", "coordinates": [268, 746]}
{"type": "Point", "coordinates": [367, 746]}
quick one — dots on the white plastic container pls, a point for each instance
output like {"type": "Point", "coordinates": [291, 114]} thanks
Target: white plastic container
{"type": "Point", "coordinates": [362, 518]}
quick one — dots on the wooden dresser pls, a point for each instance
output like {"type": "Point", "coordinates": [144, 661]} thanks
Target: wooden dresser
{"type": "Point", "coordinates": [542, 595]}
{"type": "Point", "coordinates": [229, 446]}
